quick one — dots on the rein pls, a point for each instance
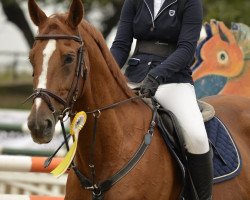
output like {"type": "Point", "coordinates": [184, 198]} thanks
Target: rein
{"type": "Point", "coordinates": [113, 105]}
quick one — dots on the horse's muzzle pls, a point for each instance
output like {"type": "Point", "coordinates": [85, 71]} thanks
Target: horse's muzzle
{"type": "Point", "coordinates": [41, 129]}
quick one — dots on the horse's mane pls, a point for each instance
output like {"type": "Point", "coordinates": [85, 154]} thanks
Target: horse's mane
{"type": "Point", "coordinates": [110, 61]}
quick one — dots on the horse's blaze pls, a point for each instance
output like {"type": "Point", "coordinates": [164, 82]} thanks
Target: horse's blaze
{"type": "Point", "coordinates": [42, 80]}
{"type": "Point", "coordinates": [42, 125]}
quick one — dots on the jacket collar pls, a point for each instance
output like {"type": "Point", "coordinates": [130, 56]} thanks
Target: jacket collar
{"type": "Point", "coordinates": [165, 4]}
{"type": "Point", "coordinates": [150, 4]}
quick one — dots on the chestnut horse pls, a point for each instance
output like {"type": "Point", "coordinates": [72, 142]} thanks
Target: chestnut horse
{"type": "Point", "coordinates": [58, 81]}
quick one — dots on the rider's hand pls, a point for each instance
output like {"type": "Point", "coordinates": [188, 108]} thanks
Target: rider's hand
{"type": "Point", "coordinates": [149, 86]}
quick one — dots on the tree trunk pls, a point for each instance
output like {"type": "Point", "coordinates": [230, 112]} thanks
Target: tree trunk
{"type": "Point", "coordinates": [112, 21]}
{"type": "Point", "coordinates": [15, 14]}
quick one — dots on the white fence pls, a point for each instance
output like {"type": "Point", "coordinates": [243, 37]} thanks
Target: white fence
{"type": "Point", "coordinates": [28, 183]}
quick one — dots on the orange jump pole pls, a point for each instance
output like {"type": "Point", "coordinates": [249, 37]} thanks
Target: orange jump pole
{"type": "Point", "coordinates": [26, 197]}
{"type": "Point", "coordinates": [26, 164]}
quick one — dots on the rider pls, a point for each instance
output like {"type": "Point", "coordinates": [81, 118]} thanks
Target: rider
{"type": "Point", "coordinates": [166, 42]}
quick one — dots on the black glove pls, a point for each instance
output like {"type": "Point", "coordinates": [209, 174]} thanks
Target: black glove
{"type": "Point", "coordinates": [149, 86]}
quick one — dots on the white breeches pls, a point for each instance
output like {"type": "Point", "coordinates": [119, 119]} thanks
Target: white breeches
{"type": "Point", "coordinates": [180, 99]}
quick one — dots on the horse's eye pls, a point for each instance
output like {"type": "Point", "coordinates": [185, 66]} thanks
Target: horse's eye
{"type": "Point", "coordinates": [68, 59]}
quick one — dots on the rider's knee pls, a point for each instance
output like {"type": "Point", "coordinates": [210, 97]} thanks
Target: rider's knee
{"type": "Point", "coordinates": [197, 142]}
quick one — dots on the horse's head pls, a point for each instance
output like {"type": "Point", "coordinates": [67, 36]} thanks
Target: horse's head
{"type": "Point", "coordinates": [220, 54]}
{"type": "Point", "coordinates": [57, 59]}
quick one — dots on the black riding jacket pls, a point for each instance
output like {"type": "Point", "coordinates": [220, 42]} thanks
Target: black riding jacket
{"type": "Point", "coordinates": [138, 22]}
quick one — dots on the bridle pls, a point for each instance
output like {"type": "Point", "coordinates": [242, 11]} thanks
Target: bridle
{"type": "Point", "coordinates": [81, 71]}
{"type": "Point", "coordinates": [97, 189]}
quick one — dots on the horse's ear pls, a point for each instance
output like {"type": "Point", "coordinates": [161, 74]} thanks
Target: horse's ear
{"type": "Point", "coordinates": [75, 13]}
{"type": "Point", "coordinates": [36, 14]}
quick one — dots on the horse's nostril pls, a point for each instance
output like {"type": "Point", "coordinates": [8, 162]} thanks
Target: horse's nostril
{"type": "Point", "coordinates": [48, 124]}
{"type": "Point", "coordinates": [42, 128]}
{"type": "Point", "coordinates": [32, 125]}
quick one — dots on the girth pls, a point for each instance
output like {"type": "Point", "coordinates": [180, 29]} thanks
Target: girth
{"type": "Point", "coordinates": [154, 47]}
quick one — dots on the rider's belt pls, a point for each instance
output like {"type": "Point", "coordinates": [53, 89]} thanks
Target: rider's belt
{"type": "Point", "coordinates": [158, 48]}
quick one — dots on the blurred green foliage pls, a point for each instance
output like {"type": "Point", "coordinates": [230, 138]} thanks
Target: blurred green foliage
{"type": "Point", "coordinates": [227, 11]}
{"type": "Point", "coordinates": [222, 10]}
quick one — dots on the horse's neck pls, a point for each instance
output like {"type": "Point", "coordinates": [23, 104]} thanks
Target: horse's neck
{"type": "Point", "coordinates": [106, 84]}
{"type": "Point", "coordinates": [102, 88]}
{"type": "Point", "coordinates": [119, 130]}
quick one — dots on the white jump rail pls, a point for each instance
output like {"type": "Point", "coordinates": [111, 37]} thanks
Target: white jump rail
{"type": "Point", "coordinates": [26, 164]}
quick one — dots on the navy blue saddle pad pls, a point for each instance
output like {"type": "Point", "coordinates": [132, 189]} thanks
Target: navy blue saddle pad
{"type": "Point", "coordinates": [226, 160]}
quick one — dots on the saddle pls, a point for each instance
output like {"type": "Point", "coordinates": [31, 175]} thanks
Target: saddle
{"type": "Point", "coordinates": [226, 161]}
